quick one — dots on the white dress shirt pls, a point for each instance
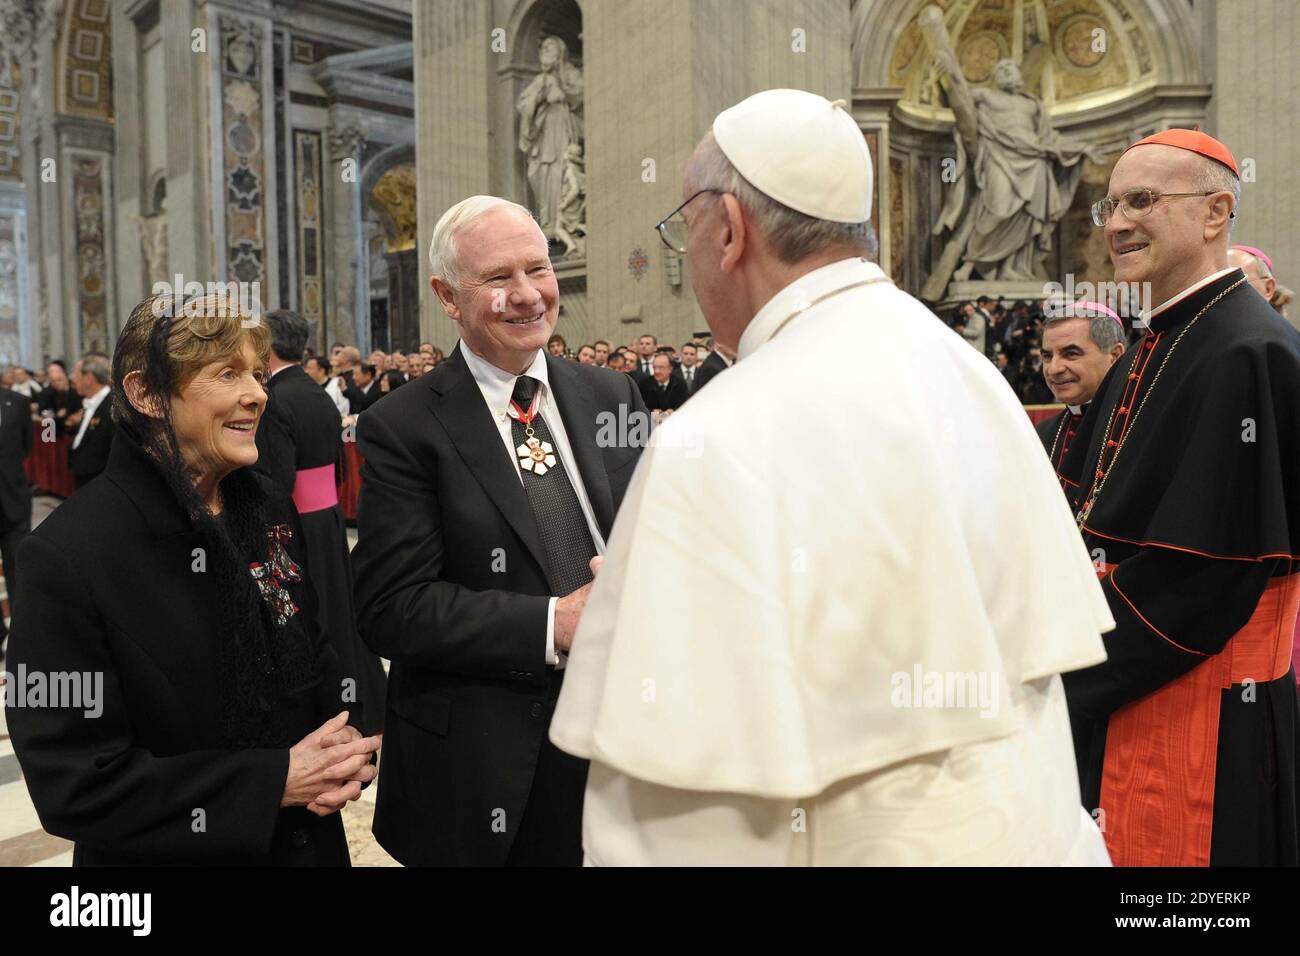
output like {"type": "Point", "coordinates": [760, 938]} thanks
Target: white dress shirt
{"type": "Point", "coordinates": [88, 409]}
{"type": "Point", "coordinates": [335, 391]}
{"type": "Point", "coordinates": [497, 386]}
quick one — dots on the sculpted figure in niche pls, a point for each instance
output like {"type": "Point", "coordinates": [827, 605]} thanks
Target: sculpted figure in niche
{"type": "Point", "coordinates": [1015, 176]}
{"type": "Point", "coordinates": [571, 228]}
{"type": "Point", "coordinates": [550, 121]}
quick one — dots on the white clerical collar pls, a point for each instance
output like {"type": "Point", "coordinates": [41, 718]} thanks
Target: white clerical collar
{"type": "Point", "coordinates": [1076, 409]}
{"type": "Point", "coordinates": [497, 385]}
{"type": "Point", "coordinates": [801, 294]}
{"type": "Point", "coordinates": [1174, 300]}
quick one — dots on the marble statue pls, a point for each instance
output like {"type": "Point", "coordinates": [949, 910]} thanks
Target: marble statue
{"type": "Point", "coordinates": [1015, 176]}
{"type": "Point", "coordinates": [153, 244]}
{"type": "Point", "coordinates": [550, 121]}
{"type": "Point", "coordinates": [571, 224]}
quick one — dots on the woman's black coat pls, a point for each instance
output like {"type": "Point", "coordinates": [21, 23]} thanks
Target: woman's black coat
{"type": "Point", "coordinates": [115, 584]}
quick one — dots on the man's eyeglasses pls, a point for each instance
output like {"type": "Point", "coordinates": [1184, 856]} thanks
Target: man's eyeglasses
{"type": "Point", "coordinates": [1135, 204]}
{"type": "Point", "coordinates": [672, 228]}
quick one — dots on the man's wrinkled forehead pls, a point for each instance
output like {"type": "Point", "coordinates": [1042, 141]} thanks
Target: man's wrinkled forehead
{"type": "Point", "coordinates": [1156, 167]}
{"type": "Point", "coordinates": [482, 236]}
{"type": "Point", "coordinates": [1060, 335]}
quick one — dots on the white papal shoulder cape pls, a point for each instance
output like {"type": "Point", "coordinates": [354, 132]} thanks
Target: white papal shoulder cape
{"type": "Point", "coordinates": [848, 555]}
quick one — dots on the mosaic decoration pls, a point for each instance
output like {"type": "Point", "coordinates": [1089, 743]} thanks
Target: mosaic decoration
{"type": "Point", "coordinates": [637, 263]}
{"type": "Point", "coordinates": [244, 162]}
{"type": "Point", "coordinates": [395, 194]}
{"type": "Point", "coordinates": [1058, 38]}
{"type": "Point", "coordinates": [9, 266]}
{"type": "Point", "coordinates": [92, 283]}
{"type": "Point", "coordinates": [10, 168]}
{"type": "Point", "coordinates": [307, 165]}
{"type": "Point", "coordinates": [88, 61]}
{"type": "Point", "coordinates": [283, 190]}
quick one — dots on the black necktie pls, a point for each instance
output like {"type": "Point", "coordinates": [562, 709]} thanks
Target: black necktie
{"type": "Point", "coordinates": [560, 521]}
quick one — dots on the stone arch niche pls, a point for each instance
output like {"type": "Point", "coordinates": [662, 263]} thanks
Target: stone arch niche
{"type": "Point", "coordinates": [1108, 72]}
{"type": "Point", "coordinates": [538, 128]}
{"type": "Point", "coordinates": [388, 188]}
{"type": "Point", "coordinates": [530, 23]}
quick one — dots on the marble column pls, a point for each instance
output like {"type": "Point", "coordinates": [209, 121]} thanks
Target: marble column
{"type": "Point", "coordinates": [452, 136]}
{"type": "Point", "coordinates": [189, 214]}
{"type": "Point", "coordinates": [349, 320]}
{"type": "Point", "coordinates": [50, 313]}
{"type": "Point", "coordinates": [128, 171]}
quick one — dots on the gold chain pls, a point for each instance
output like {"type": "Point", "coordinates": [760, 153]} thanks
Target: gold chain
{"type": "Point", "coordinates": [1084, 512]}
{"type": "Point", "coordinates": [1051, 455]}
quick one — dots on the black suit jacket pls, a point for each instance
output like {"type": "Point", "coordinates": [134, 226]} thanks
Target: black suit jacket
{"type": "Point", "coordinates": [451, 585]}
{"type": "Point", "coordinates": [710, 367]}
{"type": "Point", "coordinates": [91, 457]}
{"type": "Point", "coordinates": [671, 397]}
{"type": "Point", "coordinates": [60, 405]}
{"type": "Point", "coordinates": [364, 398]}
{"type": "Point", "coordinates": [15, 445]}
{"type": "Point", "coordinates": [301, 428]}
{"type": "Point", "coordinates": [110, 588]}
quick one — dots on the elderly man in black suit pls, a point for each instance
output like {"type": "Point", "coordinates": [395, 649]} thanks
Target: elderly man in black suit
{"type": "Point", "coordinates": [92, 425]}
{"type": "Point", "coordinates": [15, 492]}
{"type": "Point", "coordinates": [487, 489]}
{"type": "Point", "coordinates": [664, 391]}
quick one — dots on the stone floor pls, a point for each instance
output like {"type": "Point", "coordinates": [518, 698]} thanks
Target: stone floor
{"type": "Point", "coordinates": [24, 843]}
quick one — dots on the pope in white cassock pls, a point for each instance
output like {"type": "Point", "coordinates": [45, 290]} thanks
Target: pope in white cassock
{"type": "Point", "coordinates": [837, 600]}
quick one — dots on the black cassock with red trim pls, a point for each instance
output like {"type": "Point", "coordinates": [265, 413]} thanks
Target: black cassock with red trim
{"type": "Point", "coordinates": [1057, 435]}
{"type": "Point", "coordinates": [1186, 475]}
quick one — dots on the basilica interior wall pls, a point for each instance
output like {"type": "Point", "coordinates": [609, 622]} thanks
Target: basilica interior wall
{"type": "Point", "coordinates": [116, 94]}
{"type": "Point", "coordinates": [1253, 112]}
{"type": "Point", "coordinates": [657, 75]}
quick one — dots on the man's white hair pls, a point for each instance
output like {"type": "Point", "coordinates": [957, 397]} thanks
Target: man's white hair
{"type": "Point", "coordinates": [1213, 176]}
{"type": "Point", "coordinates": [442, 248]}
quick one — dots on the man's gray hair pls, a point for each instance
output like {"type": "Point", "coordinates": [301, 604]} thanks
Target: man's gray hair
{"type": "Point", "coordinates": [97, 365]}
{"type": "Point", "coordinates": [1104, 331]}
{"type": "Point", "coordinates": [442, 248]}
{"type": "Point", "coordinates": [1216, 177]}
{"type": "Point", "coordinates": [793, 235]}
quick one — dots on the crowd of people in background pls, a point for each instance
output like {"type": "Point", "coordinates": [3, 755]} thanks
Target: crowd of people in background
{"type": "Point", "coordinates": [1010, 334]}
{"type": "Point", "coordinates": [666, 375]}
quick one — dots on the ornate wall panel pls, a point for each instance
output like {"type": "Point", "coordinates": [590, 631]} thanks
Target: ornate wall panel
{"type": "Point", "coordinates": [88, 202]}
{"type": "Point", "coordinates": [243, 150]}
{"type": "Point", "coordinates": [307, 166]}
{"type": "Point", "coordinates": [87, 75]}
{"type": "Point", "coordinates": [10, 289]}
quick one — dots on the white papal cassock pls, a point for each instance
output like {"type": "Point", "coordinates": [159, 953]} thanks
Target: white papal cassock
{"type": "Point", "coordinates": [834, 609]}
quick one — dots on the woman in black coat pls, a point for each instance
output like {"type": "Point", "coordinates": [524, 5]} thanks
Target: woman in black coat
{"type": "Point", "coordinates": [200, 718]}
